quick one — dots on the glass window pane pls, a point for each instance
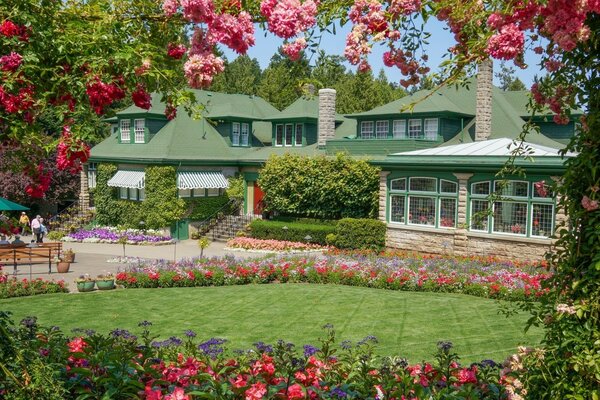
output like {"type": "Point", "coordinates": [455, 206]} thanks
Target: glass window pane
{"type": "Point", "coordinates": [423, 184]}
{"type": "Point", "coordinates": [211, 192]}
{"type": "Point", "coordinates": [245, 134]}
{"type": "Point", "coordinates": [289, 133]}
{"type": "Point", "coordinates": [480, 188]}
{"type": "Point", "coordinates": [448, 186]}
{"type": "Point", "coordinates": [398, 184]}
{"type": "Point", "coordinates": [399, 129]}
{"type": "Point", "coordinates": [299, 128]}
{"type": "Point", "coordinates": [421, 210]}
{"type": "Point", "coordinates": [183, 193]}
{"type": "Point", "coordinates": [142, 194]}
{"type": "Point", "coordinates": [366, 130]}
{"type": "Point", "coordinates": [479, 215]}
{"type": "Point", "coordinates": [447, 213]}
{"type": "Point", "coordinates": [201, 192]}
{"type": "Point", "coordinates": [512, 188]}
{"type": "Point", "coordinates": [397, 208]}
{"type": "Point", "coordinates": [382, 129]}
{"type": "Point", "coordinates": [510, 217]}
{"type": "Point", "coordinates": [123, 193]}
{"type": "Point", "coordinates": [279, 135]}
{"type": "Point", "coordinates": [542, 190]}
{"type": "Point", "coordinates": [139, 127]}
{"type": "Point", "coordinates": [414, 128]}
{"type": "Point", "coordinates": [431, 128]}
{"type": "Point", "coordinates": [235, 134]}
{"type": "Point", "coordinates": [541, 222]}
{"type": "Point", "coordinates": [133, 194]}
{"type": "Point", "coordinates": [125, 130]}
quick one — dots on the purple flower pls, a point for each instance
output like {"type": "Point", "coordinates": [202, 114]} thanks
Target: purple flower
{"type": "Point", "coordinates": [212, 347]}
{"type": "Point", "coordinates": [309, 350]}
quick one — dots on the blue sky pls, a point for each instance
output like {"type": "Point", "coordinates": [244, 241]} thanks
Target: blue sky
{"type": "Point", "coordinates": [440, 40]}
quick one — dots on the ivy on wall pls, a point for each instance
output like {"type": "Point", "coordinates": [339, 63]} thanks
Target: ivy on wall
{"type": "Point", "coordinates": [201, 208]}
{"type": "Point", "coordinates": [159, 210]}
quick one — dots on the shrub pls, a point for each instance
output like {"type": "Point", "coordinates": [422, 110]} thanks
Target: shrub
{"type": "Point", "coordinates": [202, 208]}
{"type": "Point", "coordinates": [295, 232]}
{"type": "Point", "coordinates": [353, 233]}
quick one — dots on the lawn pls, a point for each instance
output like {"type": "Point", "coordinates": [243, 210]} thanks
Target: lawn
{"type": "Point", "coordinates": [407, 324]}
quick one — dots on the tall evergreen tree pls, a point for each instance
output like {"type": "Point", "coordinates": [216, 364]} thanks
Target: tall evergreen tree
{"type": "Point", "coordinates": [508, 80]}
{"type": "Point", "coordinates": [242, 75]}
{"type": "Point", "coordinates": [281, 82]}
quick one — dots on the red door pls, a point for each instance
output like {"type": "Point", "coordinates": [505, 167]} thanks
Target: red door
{"type": "Point", "coordinates": [258, 203]}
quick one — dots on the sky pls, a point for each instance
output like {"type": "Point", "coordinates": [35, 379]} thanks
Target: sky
{"type": "Point", "coordinates": [440, 40]}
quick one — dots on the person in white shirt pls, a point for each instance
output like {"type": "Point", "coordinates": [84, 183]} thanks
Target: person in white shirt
{"type": "Point", "coordinates": [36, 228]}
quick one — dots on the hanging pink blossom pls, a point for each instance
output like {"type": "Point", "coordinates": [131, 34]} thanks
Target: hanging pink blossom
{"type": "Point", "coordinates": [287, 18]}
{"type": "Point", "coordinates": [235, 32]}
{"type": "Point", "coordinates": [170, 7]}
{"type": "Point", "coordinates": [176, 51]}
{"type": "Point", "coordinates": [507, 44]}
{"type": "Point", "coordinates": [403, 7]}
{"type": "Point", "coordinates": [294, 50]}
{"type": "Point", "coordinates": [145, 67]}
{"type": "Point", "coordinates": [357, 45]}
{"type": "Point", "coordinates": [11, 62]}
{"type": "Point", "coordinates": [589, 204]}
{"type": "Point", "coordinates": [198, 10]}
{"type": "Point", "coordinates": [199, 69]}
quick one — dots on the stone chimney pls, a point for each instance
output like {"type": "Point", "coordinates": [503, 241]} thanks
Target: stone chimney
{"type": "Point", "coordinates": [483, 113]}
{"type": "Point", "coordinates": [326, 116]}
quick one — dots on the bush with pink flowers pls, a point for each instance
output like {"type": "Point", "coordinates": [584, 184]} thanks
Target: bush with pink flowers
{"type": "Point", "coordinates": [268, 245]}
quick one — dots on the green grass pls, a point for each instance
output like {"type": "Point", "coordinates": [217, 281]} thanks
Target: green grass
{"type": "Point", "coordinates": [407, 324]}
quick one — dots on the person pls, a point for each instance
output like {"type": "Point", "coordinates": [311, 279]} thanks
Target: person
{"type": "Point", "coordinates": [3, 240]}
{"type": "Point", "coordinates": [24, 222]}
{"type": "Point", "coordinates": [18, 240]}
{"type": "Point", "coordinates": [36, 228]}
{"type": "Point", "coordinates": [43, 230]}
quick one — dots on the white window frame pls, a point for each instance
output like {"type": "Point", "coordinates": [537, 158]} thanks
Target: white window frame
{"type": "Point", "coordinates": [245, 134]}
{"type": "Point", "coordinates": [399, 129]}
{"type": "Point", "coordinates": [235, 134]}
{"type": "Point", "coordinates": [412, 131]}
{"type": "Point", "coordinates": [139, 131]}
{"type": "Point", "coordinates": [381, 129]}
{"type": "Point", "coordinates": [279, 132]}
{"type": "Point", "coordinates": [92, 175]}
{"type": "Point", "coordinates": [428, 132]}
{"type": "Point", "coordinates": [367, 130]}
{"type": "Point", "coordinates": [298, 134]}
{"type": "Point", "coordinates": [125, 129]}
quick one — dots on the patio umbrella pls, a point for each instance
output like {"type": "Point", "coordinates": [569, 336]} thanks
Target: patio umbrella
{"type": "Point", "coordinates": [7, 205]}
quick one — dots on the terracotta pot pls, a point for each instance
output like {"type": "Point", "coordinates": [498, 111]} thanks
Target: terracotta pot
{"type": "Point", "coordinates": [62, 267]}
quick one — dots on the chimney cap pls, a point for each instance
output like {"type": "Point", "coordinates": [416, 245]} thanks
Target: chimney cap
{"type": "Point", "coordinates": [327, 91]}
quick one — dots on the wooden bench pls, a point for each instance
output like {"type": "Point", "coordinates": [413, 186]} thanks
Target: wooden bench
{"type": "Point", "coordinates": [21, 254]}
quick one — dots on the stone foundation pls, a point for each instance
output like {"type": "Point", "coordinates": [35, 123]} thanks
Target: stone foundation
{"type": "Point", "coordinates": [461, 242]}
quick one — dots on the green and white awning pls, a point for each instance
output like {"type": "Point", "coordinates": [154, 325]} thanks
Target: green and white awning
{"type": "Point", "coordinates": [201, 180]}
{"type": "Point", "coordinates": [128, 179]}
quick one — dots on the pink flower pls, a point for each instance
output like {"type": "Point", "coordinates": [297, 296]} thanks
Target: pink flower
{"type": "Point", "coordinates": [235, 32]}
{"type": "Point", "coordinates": [295, 392]}
{"type": "Point", "coordinates": [178, 394]}
{"type": "Point", "coordinates": [293, 50]}
{"type": "Point", "coordinates": [589, 204]}
{"type": "Point", "coordinates": [200, 69]}
{"type": "Point", "coordinates": [176, 51]}
{"type": "Point", "coordinates": [198, 10]}
{"type": "Point", "coordinates": [286, 18]}
{"type": "Point", "coordinates": [467, 375]}
{"type": "Point", "coordinates": [145, 67]}
{"type": "Point", "coordinates": [11, 62]}
{"type": "Point", "coordinates": [507, 44]}
{"type": "Point", "coordinates": [170, 7]}
{"type": "Point", "coordinates": [540, 188]}
{"type": "Point", "coordinates": [256, 391]}
{"type": "Point", "coordinates": [77, 345]}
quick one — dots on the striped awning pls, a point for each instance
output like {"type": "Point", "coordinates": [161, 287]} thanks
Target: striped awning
{"type": "Point", "coordinates": [128, 179]}
{"type": "Point", "coordinates": [201, 180]}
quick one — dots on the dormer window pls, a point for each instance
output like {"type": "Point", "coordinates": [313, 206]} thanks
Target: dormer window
{"type": "Point", "coordinates": [414, 128]}
{"type": "Point", "coordinates": [125, 131]}
{"type": "Point", "coordinates": [140, 130]}
{"type": "Point", "coordinates": [299, 131]}
{"type": "Point", "coordinates": [240, 133]}
{"type": "Point", "coordinates": [279, 135]}
{"type": "Point", "coordinates": [289, 135]}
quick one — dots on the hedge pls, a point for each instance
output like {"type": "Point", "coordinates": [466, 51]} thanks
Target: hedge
{"type": "Point", "coordinates": [353, 233]}
{"type": "Point", "coordinates": [202, 208]}
{"type": "Point", "coordinates": [296, 231]}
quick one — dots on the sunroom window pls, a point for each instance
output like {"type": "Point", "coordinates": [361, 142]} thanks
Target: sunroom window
{"type": "Point", "coordinates": [423, 201]}
{"type": "Point", "coordinates": [431, 128]}
{"type": "Point", "coordinates": [140, 130]}
{"type": "Point", "coordinates": [382, 129]}
{"type": "Point", "coordinates": [299, 129]}
{"type": "Point", "coordinates": [366, 130]}
{"type": "Point", "coordinates": [521, 208]}
{"type": "Point", "coordinates": [399, 129]}
{"type": "Point", "coordinates": [125, 130]}
{"type": "Point", "coordinates": [289, 134]}
{"type": "Point", "coordinates": [414, 128]}
{"type": "Point", "coordinates": [279, 135]}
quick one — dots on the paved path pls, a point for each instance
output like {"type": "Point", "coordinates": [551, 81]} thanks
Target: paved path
{"type": "Point", "coordinates": [91, 258]}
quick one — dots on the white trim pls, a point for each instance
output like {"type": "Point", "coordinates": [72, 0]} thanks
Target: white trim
{"type": "Point", "coordinates": [125, 130]}
{"type": "Point", "coordinates": [139, 132]}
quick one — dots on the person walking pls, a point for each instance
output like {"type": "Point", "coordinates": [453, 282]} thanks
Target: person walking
{"type": "Point", "coordinates": [24, 222]}
{"type": "Point", "coordinates": [36, 228]}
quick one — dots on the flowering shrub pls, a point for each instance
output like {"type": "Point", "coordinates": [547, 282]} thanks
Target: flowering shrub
{"type": "Point", "coordinates": [271, 245]}
{"type": "Point", "coordinates": [13, 287]}
{"type": "Point", "coordinates": [500, 280]}
{"type": "Point", "coordinates": [181, 368]}
{"type": "Point", "coordinates": [113, 235]}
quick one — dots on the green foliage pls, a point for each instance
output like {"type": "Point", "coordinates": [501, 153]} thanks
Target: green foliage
{"type": "Point", "coordinates": [292, 231]}
{"type": "Point", "coordinates": [160, 208]}
{"type": "Point", "coordinates": [242, 75]}
{"type": "Point", "coordinates": [320, 187]}
{"type": "Point", "coordinates": [236, 188]}
{"type": "Point", "coordinates": [281, 80]}
{"type": "Point", "coordinates": [201, 208]}
{"type": "Point", "coordinates": [352, 233]}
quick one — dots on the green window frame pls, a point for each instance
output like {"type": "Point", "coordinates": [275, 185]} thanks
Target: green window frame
{"type": "Point", "coordinates": [423, 200]}
{"type": "Point", "coordinates": [518, 208]}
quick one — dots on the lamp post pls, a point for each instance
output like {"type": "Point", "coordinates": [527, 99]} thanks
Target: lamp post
{"type": "Point", "coordinates": [142, 224]}
{"type": "Point", "coordinates": [285, 232]}
{"type": "Point", "coordinates": [307, 238]}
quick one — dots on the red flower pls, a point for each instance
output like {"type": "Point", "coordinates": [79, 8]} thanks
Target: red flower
{"type": "Point", "coordinates": [9, 28]}
{"type": "Point", "coordinates": [176, 51]}
{"type": "Point", "coordinates": [295, 392]}
{"type": "Point", "coordinates": [256, 391]}
{"type": "Point", "coordinates": [77, 345]}
{"type": "Point", "coordinates": [141, 98]}
{"type": "Point", "coordinates": [11, 62]}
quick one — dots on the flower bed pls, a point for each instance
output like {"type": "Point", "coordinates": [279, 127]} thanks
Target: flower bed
{"type": "Point", "coordinates": [113, 235]}
{"type": "Point", "coordinates": [500, 280]}
{"type": "Point", "coordinates": [268, 245]}
{"type": "Point", "coordinates": [100, 366]}
{"type": "Point", "coordinates": [13, 287]}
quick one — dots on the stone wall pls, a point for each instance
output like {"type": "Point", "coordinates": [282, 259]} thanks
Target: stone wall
{"type": "Point", "coordinates": [326, 116]}
{"type": "Point", "coordinates": [422, 240]}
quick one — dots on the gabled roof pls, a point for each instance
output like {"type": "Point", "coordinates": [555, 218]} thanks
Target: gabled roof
{"type": "Point", "coordinates": [304, 108]}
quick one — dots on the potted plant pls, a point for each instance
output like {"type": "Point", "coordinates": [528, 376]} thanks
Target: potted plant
{"type": "Point", "coordinates": [85, 283]}
{"type": "Point", "coordinates": [105, 281]}
{"type": "Point", "coordinates": [68, 255]}
{"type": "Point", "coordinates": [62, 265]}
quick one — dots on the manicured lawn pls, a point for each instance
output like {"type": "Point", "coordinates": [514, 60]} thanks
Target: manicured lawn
{"type": "Point", "coordinates": [407, 324]}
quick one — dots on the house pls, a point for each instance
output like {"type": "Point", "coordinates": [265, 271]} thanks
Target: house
{"type": "Point", "coordinates": [437, 151]}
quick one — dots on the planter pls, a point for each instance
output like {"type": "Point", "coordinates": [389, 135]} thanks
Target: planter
{"type": "Point", "coordinates": [68, 257]}
{"type": "Point", "coordinates": [62, 267]}
{"type": "Point", "coordinates": [107, 284]}
{"type": "Point", "coordinates": [86, 286]}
